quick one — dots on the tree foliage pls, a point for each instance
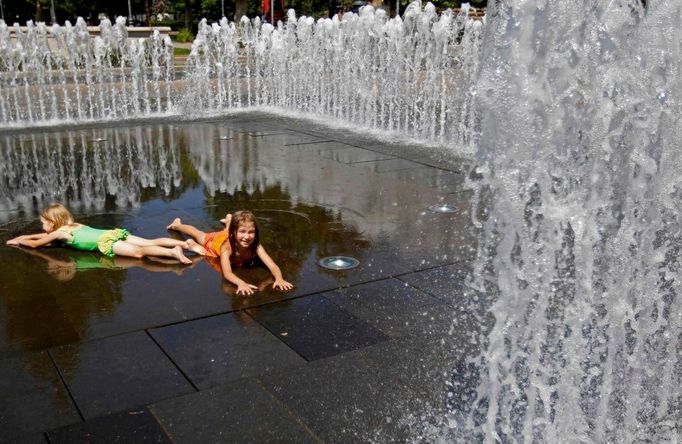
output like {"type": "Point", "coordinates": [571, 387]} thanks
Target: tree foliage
{"type": "Point", "coordinates": [187, 13]}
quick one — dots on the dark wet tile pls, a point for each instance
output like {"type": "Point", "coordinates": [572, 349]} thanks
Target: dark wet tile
{"type": "Point", "coordinates": [390, 305]}
{"type": "Point", "coordinates": [316, 328]}
{"type": "Point", "coordinates": [24, 438]}
{"type": "Point", "coordinates": [123, 427]}
{"type": "Point", "coordinates": [423, 366]}
{"type": "Point", "coordinates": [218, 349]}
{"type": "Point", "coordinates": [237, 412]}
{"type": "Point", "coordinates": [445, 283]}
{"type": "Point", "coordinates": [342, 399]}
{"type": "Point", "coordinates": [122, 299]}
{"type": "Point", "coordinates": [438, 238]}
{"type": "Point", "coordinates": [306, 278]}
{"type": "Point", "coordinates": [353, 155]}
{"type": "Point", "coordinates": [32, 317]}
{"type": "Point", "coordinates": [34, 398]}
{"type": "Point", "coordinates": [118, 373]}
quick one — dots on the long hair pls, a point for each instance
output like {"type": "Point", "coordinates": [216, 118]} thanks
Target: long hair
{"type": "Point", "coordinates": [240, 217]}
{"type": "Point", "coordinates": [58, 215]}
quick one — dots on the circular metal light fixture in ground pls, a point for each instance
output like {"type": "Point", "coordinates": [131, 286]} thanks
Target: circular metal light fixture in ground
{"type": "Point", "coordinates": [442, 208]}
{"type": "Point", "coordinates": [99, 139]}
{"type": "Point", "coordinates": [338, 262]}
{"type": "Point", "coordinates": [224, 138]}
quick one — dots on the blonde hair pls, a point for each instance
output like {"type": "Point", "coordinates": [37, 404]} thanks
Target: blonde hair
{"type": "Point", "coordinates": [58, 215]}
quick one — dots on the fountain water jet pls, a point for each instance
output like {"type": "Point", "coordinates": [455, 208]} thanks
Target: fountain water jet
{"type": "Point", "coordinates": [411, 76]}
{"type": "Point", "coordinates": [578, 261]}
{"type": "Point", "coordinates": [574, 123]}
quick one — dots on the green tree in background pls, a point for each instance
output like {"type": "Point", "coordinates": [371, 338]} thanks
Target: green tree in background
{"type": "Point", "coordinates": [187, 13]}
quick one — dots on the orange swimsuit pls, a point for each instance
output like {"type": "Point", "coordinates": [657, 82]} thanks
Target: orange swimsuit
{"type": "Point", "coordinates": [213, 242]}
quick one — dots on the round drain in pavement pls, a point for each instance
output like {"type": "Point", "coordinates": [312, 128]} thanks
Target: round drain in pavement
{"type": "Point", "coordinates": [338, 262]}
{"type": "Point", "coordinates": [442, 208]}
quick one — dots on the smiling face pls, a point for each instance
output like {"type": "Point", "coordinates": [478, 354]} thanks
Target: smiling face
{"type": "Point", "coordinates": [245, 235]}
{"type": "Point", "coordinates": [244, 231]}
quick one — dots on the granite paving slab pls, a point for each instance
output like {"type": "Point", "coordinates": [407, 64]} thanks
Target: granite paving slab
{"type": "Point", "coordinates": [342, 399]}
{"type": "Point", "coordinates": [219, 349]}
{"type": "Point", "coordinates": [424, 368]}
{"type": "Point", "coordinates": [374, 265]}
{"type": "Point", "coordinates": [34, 398]}
{"type": "Point", "coordinates": [32, 316]}
{"type": "Point", "coordinates": [446, 283]}
{"type": "Point", "coordinates": [123, 297]}
{"type": "Point", "coordinates": [316, 328]}
{"type": "Point", "coordinates": [390, 305]}
{"type": "Point", "coordinates": [118, 373]}
{"type": "Point", "coordinates": [241, 411]}
{"type": "Point", "coordinates": [134, 426]}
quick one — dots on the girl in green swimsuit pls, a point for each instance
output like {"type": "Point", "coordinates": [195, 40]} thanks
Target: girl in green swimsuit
{"type": "Point", "coordinates": [60, 226]}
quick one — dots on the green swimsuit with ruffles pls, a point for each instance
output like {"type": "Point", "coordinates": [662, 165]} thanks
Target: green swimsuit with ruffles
{"type": "Point", "coordinates": [87, 238]}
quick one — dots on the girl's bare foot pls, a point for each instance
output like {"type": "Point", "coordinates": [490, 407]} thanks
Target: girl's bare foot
{"type": "Point", "coordinates": [227, 220]}
{"type": "Point", "coordinates": [173, 225]}
{"type": "Point", "coordinates": [179, 255]}
{"type": "Point", "coordinates": [195, 247]}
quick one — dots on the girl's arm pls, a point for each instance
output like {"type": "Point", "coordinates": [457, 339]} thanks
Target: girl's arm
{"type": "Point", "coordinates": [38, 240]}
{"type": "Point", "coordinates": [226, 267]}
{"type": "Point", "coordinates": [279, 283]}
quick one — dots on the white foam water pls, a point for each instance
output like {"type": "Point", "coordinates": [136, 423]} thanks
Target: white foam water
{"type": "Point", "coordinates": [580, 156]}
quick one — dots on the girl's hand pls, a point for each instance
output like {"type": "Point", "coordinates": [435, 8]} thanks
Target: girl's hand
{"type": "Point", "coordinates": [14, 242]}
{"type": "Point", "coordinates": [281, 284]}
{"type": "Point", "coordinates": [246, 289]}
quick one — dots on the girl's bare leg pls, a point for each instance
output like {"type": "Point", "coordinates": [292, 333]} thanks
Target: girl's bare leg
{"type": "Point", "coordinates": [189, 230]}
{"type": "Point", "coordinates": [167, 242]}
{"type": "Point", "coordinates": [125, 248]}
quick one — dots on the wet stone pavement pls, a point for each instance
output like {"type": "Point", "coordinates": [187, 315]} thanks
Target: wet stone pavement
{"type": "Point", "coordinates": [124, 350]}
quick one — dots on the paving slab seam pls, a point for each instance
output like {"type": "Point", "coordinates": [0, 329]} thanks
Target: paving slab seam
{"type": "Point", "coordinates": [428, 293]}
{"type": "Point", "coordinates": [435, 267]}
{"type": "Point", "coordinates": [66, 386]}
{"type": "Point", "coordinates": [160, 423]}
{"type": "Point", "coordinates": [360, 320]}
{"type": "Point", "coordinates": [182, 372]}
{"type": "Point", "coordinates": [292, 414]}
{"type": "Point", "coordinates": [250, 134]}
{"type": "Point", "coordinates": [309, 143]}
{"type": "Point", "coordinates": [276, 336]}
{"type": "Point", "coordinates": [396, 156]}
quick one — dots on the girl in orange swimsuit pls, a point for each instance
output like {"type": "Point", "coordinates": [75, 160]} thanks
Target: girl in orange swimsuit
{"type": "Point", "coordinates": [238, 244]}
{"type": "Point", "coordinates": [60, 226]}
